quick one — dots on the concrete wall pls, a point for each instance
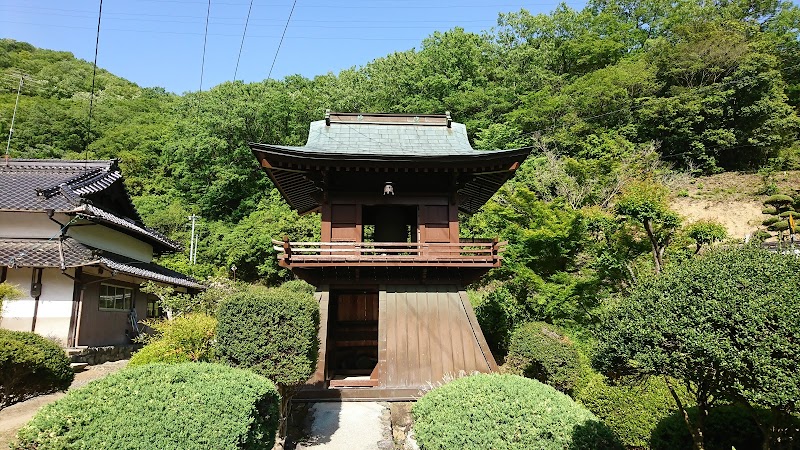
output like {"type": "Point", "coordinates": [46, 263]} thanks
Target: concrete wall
{"type": "Point", "coordinates": [54, 304]}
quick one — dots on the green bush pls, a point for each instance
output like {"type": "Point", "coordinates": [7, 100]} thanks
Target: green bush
{"type": "Point", "coordinates": [631, 411]}
{"type": "Point", "coordinates": [182, 339]}
{"type": "Point", "coordinates": [769, 210]}
{"type": "Point", "coordinates": [161, 406]}
{"type": "Point", "coordinates": [770, 220]}
{"type": "Point", "coordinates": [299, 286]}
{"type": "Point", "coordinates": [505, 412]}
{"type": "Point", "coordinates": [780, 226]}
{"type": "Point", "coordinates": [30, 365]}
{"type": "Point", "coordinates": [498, 312]}
{"type": "Point", "coordinates": [778, 200]}
{"type": "Point", "coordinates": [272, 331]}
{"type": "Point", "coordinates": [794, 214]}
{"type": "Point", "coordinates": [543, 352]}
{"type": "Point", "coordinates": [726, 427]}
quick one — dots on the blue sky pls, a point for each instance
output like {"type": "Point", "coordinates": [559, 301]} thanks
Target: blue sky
{"type": "Point", "coordinates": [160, 42]}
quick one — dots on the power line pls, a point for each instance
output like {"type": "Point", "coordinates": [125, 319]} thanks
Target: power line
{"type": "Point", "coordinates": [247, 21]}
{"type": "Point", "coordinates": [281, 42]}
{"type": "Point", "coordinates": [94, 75]}
{"type": "Point", "coordinates": [205, 41]}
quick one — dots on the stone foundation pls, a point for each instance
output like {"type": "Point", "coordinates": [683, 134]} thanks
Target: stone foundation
{"type": "Point", "coordinates": [99, 355]}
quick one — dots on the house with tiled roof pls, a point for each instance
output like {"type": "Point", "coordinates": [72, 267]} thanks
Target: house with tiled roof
{"type": "Point", "coordinates": [73, 242]}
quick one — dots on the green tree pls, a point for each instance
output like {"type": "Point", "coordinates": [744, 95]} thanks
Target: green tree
{"type": "Point", "coordinates": [724, 325]}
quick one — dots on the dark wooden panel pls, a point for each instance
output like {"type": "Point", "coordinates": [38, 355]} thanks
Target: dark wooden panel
{"type": "Point", "coordinates": [436, 214]}
{"type": "Point", "coordinates": [343, 214]}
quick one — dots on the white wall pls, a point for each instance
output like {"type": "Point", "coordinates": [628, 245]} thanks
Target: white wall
{"type": "Point", "coordinates": [105, 238]}
{"type": "Point", "coordinates": [29, 224]}
{"type": "Point", "coordinates": [55, 304]}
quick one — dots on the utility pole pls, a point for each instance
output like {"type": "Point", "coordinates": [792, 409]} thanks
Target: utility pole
{"type": "Point", "coordinates": [13, 117]}
{"type": "Point", "coordinates": [192, 242]}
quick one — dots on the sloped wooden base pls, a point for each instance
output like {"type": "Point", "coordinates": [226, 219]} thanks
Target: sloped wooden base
{"type": "Point", "coordinates": [426, 336]}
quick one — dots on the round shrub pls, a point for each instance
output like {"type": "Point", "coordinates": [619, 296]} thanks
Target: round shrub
{"type": "Point", "coordinates": [631, 411]}
{"type": "Point", "coordinates": [769, 210]}
{"type": "Point", "coordinates": [726, 427]}
{"type": "Point", "coordinates": [543, 352]}
{"type": "Point", "coordinates": [770, 220]}
{"type": "Point", "coordinates": [794, 214]}
{"type": "Point", "coordinates": [182, 339]}
{"type": "Point", "coordinates": [30, 365]}
{"type": "Point", "coordinates": [161, 406]}
{"type": "Point", "coordinates": [505, 412]}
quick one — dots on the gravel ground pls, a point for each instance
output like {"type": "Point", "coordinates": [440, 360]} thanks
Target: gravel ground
{"type": "Point", "coordinates": [14, 417]}
{"type": "Point", "coordinates": [347, 426]}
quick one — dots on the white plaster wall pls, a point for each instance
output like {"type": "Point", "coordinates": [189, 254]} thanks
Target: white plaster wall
{"type": "Point", "coordinates": [17, 314]}
{"type": "Point", "coordinates": [110, 240]}
{"type": "Point", "coordinates": [29, 224]}
{"type": "Point", "coordinates": [55, 304]}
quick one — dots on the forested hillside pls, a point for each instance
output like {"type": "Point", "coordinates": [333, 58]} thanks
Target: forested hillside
{"type": "Point", "coordinates": [615, 98]}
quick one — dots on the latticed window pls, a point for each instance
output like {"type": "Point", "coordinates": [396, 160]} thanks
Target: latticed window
{"type": "Point", "coordinates": [115, 298]}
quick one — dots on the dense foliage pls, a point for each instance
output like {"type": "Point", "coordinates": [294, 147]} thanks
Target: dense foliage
{"type": "Point", "coordinates": [727, 426]}
{"type": "Point", "coordinates": [274, 333]}
{"type": "Point", "coordinates": [543, 352]}
{"type": "Point", "coordinates": [8, 292]}
{"type": "Point", "coordinates": [631, 410]}
{"type": "Point", "coordinates": [706, 85]}
{"type": "Point", "coordinates": [30, 365]}
{"type": "Point", "coordinates": [505, 412]}
{"type": "Point", "coordinates": [725, 325]}
{"type": "Point", "coordinates": [161, 406]}
{"type": "Point", "coordinates": [187, 338]}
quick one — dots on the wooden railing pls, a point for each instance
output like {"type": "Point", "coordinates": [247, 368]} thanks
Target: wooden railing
{"type": "Point", "coordinates": [322, 254]}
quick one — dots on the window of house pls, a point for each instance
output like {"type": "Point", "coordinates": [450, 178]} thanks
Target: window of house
{"type": "Point", "coordinates": [115, 298]}
{"type": "Point", "coordinates": [154, 310]}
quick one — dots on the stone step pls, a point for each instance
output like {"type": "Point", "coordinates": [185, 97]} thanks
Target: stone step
{"type": "Point", "coordinates": [78, 367]}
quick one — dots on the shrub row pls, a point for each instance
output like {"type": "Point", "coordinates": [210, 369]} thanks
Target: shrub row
{"type": "Point", "coordinates": [161, 406]}
{"type": "Point", "coordinates": [30, 365]}
{"type": "Point", "coordinates": [505, 412]}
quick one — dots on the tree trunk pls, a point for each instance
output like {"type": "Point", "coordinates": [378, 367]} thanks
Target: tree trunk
{"type": "Point", "coordinates": [657, 251]}
{"type": "Point", "coordinates": [695, 430]}
{"type": "Point", "coordinates": [283, 416]}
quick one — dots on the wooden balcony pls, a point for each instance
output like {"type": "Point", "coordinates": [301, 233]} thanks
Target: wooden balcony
{"type": "Point", "coordinates": [374, 254]}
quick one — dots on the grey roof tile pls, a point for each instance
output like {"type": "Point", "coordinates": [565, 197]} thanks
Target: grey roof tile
{"type": "Point", "coordinates": [46, 253]}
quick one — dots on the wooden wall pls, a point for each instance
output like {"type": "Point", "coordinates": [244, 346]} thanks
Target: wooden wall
{"type": "Point", "coordinates": [426, 333]}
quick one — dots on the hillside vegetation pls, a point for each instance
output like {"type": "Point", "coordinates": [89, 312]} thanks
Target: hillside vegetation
{"type": "Point", "coordinates": [617, 99]}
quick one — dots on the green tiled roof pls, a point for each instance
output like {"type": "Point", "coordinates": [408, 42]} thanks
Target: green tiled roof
{"type": "Point", "coordinates": [386, 140]}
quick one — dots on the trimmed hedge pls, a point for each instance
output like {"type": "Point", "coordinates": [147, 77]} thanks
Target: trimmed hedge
{"type": "Point", "coordinates": [182, 339]}
{"type": "Point", "coordinates": [272, 331]}
{"type": "Point", "coordinates": [726, 427]}
{"type": "Point", "coordinates": [631, 411]}
{"type": "Point", "coordinates": [161, 406]}
{"type": "Point", "coordinates": [543, 352]}
{"type": "Point", "coordinates": [779, 200]}
{"type": "Point", "coordinates": [505, 412]}
{"type": "Point", "coordinates": [30, 365]}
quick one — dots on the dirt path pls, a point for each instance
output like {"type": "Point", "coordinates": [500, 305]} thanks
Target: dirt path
{"type": "Point", "coordinates": [347, 426]}
{"type": "Point", "coordinates": [15, 416]}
